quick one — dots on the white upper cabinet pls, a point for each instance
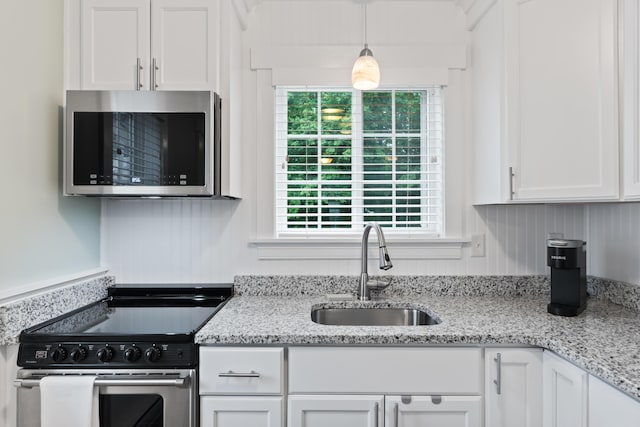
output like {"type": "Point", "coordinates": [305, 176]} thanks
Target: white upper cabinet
{"type": "Point", "coordinates": [630, 97]}
{"type": "Point", "coordinates": [148, 44]}
{"type": "Point", "coordinates": [545, 116]}
{"type": "Point", "coordinates": [184, 44]}
{"type": "Point", "coordinates": [115, 44]}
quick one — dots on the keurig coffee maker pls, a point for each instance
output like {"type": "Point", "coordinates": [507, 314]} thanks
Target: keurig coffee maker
{"type": "Point", "coordinates": [568, 262]}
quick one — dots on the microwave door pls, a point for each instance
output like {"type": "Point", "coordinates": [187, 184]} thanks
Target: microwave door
{"type": "Point", "coordinates": [139, 149]}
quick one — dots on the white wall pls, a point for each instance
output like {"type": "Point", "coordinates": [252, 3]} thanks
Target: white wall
{"type": "Point", "coordinates": [42, 234]}
{"type": "Point", "coordinates": [204, 240]}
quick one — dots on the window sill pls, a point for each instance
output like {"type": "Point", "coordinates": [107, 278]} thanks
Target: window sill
{"type": "Point", "coordinates": [309, 249]}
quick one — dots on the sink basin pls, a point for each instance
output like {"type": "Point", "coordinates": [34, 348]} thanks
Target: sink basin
{"type": "Point", "coordinates": [372, 317]}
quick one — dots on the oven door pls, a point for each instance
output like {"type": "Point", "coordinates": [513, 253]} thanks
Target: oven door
{"type": "Point", "coordinates": [127, 399]}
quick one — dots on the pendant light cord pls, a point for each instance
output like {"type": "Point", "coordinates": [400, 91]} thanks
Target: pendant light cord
{"type": "Point", "coordinates": [366, 42]}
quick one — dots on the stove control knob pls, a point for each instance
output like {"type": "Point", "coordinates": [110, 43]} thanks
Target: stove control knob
{"type": "Point", "coordinates": [105, 355]}
{"type": "Point", "coordinates": [59, 354]}
{"type": "Point", "coordinates": [78, 354]}
{"type": "Point", "coordinates": [131, 354]}
{"type": "Point", "coordinates": [153, 354]}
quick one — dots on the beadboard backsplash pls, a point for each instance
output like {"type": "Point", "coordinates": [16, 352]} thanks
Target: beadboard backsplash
{"type": "Point", "coordinates": [208, 241]}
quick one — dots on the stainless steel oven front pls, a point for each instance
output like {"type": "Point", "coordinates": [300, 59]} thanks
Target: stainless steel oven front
{"type": "Point", "coordinates": [128, 398]}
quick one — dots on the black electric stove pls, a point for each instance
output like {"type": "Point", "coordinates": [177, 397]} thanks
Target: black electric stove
{"type": "Point", "coordinates": [136, 326]}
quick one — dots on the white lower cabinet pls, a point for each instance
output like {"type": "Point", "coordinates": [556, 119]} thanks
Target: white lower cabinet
{"type": "Point", "coordinates": [441, 411]}
{"type": "Point", "coordinates": [385, 387]}
{"type": "Point", "coordinates": [513, 387]}
{"type": "Point", "coordinates": [239, 411]}
{"type": "Point", "coordinates": [609, 407]}
{"type": "Point", "coordinates": [241, 386]}
{"type": "Point", "coordinates": [387, 411]}
{"type": "Point", "coordinates": [335, 411]}
{"type": "Point", "coordinates": [565, 388]}
{"type": "Point", "coordinates": [359, 386]}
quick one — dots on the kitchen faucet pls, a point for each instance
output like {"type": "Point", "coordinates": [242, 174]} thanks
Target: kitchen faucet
{"type": "Point", "coordinates": [367, 285]}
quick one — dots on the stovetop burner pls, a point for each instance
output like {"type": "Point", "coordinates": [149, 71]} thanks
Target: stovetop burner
{"type": "Point", "coordinates": [135, 326]}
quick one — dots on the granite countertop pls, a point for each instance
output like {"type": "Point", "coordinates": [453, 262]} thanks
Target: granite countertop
{"type": "Point", "coordinates": [604, 340]}
{"type": "Point", "coordinates": [28, 311]}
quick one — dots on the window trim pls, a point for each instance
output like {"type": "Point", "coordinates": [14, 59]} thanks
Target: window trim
{"type": "Point", "coordinates": [348, 247]}
{"type": "Point", "coordinates": [454, 168]}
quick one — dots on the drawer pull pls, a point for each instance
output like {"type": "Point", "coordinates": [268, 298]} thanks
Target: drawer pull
{"type": "Point", "coordinates": [231, 374]}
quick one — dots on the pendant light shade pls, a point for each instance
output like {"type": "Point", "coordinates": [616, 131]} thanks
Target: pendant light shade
{"type": "Point", "coordinates": [365, 74]}
{"type": "Point", "coordinates": [366, 71]}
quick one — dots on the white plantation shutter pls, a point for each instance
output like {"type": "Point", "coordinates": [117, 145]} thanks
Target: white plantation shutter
{"type": "Point", "coordinates": [345, 158]}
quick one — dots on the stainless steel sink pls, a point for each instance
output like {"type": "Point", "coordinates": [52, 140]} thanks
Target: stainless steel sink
{"type": "Point", "coordinates": [372, 317]}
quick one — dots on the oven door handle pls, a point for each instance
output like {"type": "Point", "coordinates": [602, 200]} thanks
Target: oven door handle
{"type": "Point", "coordinates": [124, 382]}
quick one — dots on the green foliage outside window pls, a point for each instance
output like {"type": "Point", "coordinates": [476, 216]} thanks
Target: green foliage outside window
{"type": "Point", "coordinates": [321, 163]}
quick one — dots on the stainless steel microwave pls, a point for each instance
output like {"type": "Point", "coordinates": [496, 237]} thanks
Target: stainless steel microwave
{"type": "Point", "coordinates": [142, 143]}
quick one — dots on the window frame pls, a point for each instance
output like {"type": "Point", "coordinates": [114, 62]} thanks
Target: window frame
{"type": "Point", "coordinates": [260, 207]}
{"type": "Point", "coordinates": [357, 140]}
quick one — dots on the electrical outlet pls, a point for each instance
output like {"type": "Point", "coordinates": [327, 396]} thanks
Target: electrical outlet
{"type": "Point", "coordinates": [477, 245]}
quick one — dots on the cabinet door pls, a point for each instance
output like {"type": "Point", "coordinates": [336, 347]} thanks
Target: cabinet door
{"type": "Point", "coordinates": [564, 393]}
{"type": "Point", "coordinates": [335, 411]}
{"type": "Point", "coordinates": [241, 411]}
{"type": "Point", "coordinates": [513, 387]}
{"type": "Point", "coordinates": [631, 97]}
{"type": "Point", "coordinates": [114, 41]}
{"type": "Point", "coordinates": [609, 407]}
{"type": "Point", "coordinates": [562, 98]}
{"type": "Point", "coordinates": [441, 411]}
{"type": "Point", "coordinates": [184, 37]}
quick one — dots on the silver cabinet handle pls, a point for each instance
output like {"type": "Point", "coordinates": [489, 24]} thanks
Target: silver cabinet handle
{"type": "Point", "coordinates": [231, 374]}
{"type": "Point", "coordinates": [29, 383]}
{"type": "Point", "coordinates": [498, 380]}
{"type": "Point", "coordinates": [375, 413]}
{"type": "Point", "coordinates": [138, 70]}
{"type": "Point", "coordinates": [154, 77]}
{"type": "Point", "coordinates": [396, 416]}
{"type": "Point", "coordinates": [511, 175]}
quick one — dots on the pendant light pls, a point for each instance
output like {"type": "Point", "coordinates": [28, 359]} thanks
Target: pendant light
{"type": "Point", "coordinates": [366, 71]}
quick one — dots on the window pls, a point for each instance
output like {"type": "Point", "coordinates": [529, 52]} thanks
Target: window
{"type": "Point", "coordinates": [347, 157]}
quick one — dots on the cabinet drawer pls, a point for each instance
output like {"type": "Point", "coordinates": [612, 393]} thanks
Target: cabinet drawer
{"type": "Point", "coordinates": [237, 370]}
{"type": "Point", "coordinates": [389, 370]}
